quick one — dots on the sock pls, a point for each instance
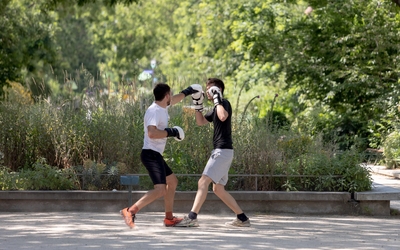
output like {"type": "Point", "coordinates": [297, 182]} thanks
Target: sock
{"type": "Point", "coordinates": [192, 215]}
{"type": "Point", "coordinates": [134, 209]}
{"type": "Point", "coordinates": [169, 215]}
{"type": "Point", "coordinates": [242, 217]}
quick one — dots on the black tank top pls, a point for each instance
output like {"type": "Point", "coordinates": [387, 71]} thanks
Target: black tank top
{"type": "Point", "coordinates": [222, 130]}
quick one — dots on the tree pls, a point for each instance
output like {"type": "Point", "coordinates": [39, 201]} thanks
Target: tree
{"type": "Point", "coordinates": [28, 49]}
{"type": "Point", "coordinates": [26, 44]}
{"type": "Point", "coordinates": [126, 38]}
{"type": "Point", "coordinates": [345, 55]}
{"type": "Point", "coordinates": [74, 40]}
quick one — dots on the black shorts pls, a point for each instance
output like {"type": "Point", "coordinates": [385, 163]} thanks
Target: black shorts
{"type": "Point", "coordinates": [156, 166]}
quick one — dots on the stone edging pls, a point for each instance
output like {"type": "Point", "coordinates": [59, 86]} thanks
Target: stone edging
{"type": "Point", "coordinates": [340, 203]}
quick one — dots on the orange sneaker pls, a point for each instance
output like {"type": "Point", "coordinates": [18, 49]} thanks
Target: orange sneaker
{"type": "Point", "coordinates": [128, 217]}
{"type": "Point", "coordinates": [172, 222]}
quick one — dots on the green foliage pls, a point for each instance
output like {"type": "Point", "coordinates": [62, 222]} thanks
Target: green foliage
{"type": "Point", "coordinates": [100, 176]}
{"type": "Point", "coordinates": [74, 45]}
{"type": "Point", "coordinates": [99, 149]}
{"type": "Point", "coordinates": [8, 179]}
{"type": "Point", "coordinates": [26, 44]}
{"type": "Point", "coordinates": [67, 133]}
{"type": "Point", "coordinates": [391, 149]}
{"type": "Point", "coordinates": [337, 57]}
{"type": "Point", "coordinates": [50, 4]}
{"type": "Point", "coordinates": [335, 171]}
{"type": "Point", "coordinates": [342, 57]}
{"type": "Point", "coordinates": [335, 71]}
{"type": "Point", "coordinates": [40, 177]}
{"type": "Point", "coordinates": [296, 162]}
{"type": "Point", "coordinates": [45, 177]}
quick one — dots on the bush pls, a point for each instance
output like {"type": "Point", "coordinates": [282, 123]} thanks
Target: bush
{"type": "Point", "coordinates": [66, 135]}
{"type": "Point", "coordinates": [40, 177]}
{"type": "Point", "coordinates": [391, 149]}
{"type": "Point", "coordinates": [103, 139]}
{"type": "Point", "coordinates": [8, 179]}
{"type": "Point", "coordinates": [100, 176]}
{"type": "Point", "coordinates": [295, 162]}
{"type": "Point", "coordinates": [45, 177]}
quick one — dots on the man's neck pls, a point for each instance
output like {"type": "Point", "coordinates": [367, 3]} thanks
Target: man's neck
{"type": "Point", "coordinates": [162, 104]}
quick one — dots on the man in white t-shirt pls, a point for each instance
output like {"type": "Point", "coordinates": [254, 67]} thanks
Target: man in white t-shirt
{"type": "Point", "coordinates": [156, 131]}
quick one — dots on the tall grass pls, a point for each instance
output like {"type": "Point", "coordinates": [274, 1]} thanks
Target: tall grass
{"type": "Point", "coordinates": [108, 133]}
{"type": "Point", "coordinates": [66, 135]}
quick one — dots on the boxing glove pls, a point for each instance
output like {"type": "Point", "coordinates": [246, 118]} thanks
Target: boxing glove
{"type": "Point", "coordinates": [216, 94]}
{"type": "Point", "coordinates": [190, 90]}
{"type": "Point", "coordinates": [176, 132]}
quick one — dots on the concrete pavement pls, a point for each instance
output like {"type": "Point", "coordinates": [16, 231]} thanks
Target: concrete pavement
{"type": "Point", "coordinates": [383, 177]}
{"type": "Point", "coordinates": [107, 231]}
{"type": "Point", "coordinates": [74, 230]}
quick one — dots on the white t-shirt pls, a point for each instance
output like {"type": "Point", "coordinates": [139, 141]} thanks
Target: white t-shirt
{"type": "Point", "coordinates": [155, 116]}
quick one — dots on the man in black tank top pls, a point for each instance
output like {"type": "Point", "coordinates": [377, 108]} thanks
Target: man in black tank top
{"type": "Point", "coordinates": [217, 168]}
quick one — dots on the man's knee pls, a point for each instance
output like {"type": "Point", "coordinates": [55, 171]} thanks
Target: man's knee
{"type": "Point", "coordinates": [161, 190]}
{"type": "Point", "coordinates": [204, 181]}
{"type": "Point", "coordinates": [172, 181]}
{"type": "Point", "coordinates": [218, 188]}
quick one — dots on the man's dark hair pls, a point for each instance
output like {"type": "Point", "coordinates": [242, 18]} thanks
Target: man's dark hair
{"type": "Point", "coordinates": [216, 82]}
{"type": "Point", "coordinates": [160, 90]}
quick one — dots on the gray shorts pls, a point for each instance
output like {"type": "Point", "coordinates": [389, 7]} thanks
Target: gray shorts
{"type": "Point", "coordinates": [218, 165]}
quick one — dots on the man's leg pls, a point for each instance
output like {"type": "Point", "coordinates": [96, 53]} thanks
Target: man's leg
{"type": "Point", "coordinates": [172, 183]}
{"type": "Point", "coordinates": [241, 219]}
{"type": "Point", "coordinates": [227, 198]}
{"type": "Point", "coordinates": [170, 220]}
{"type": "Point", "coordinates": [129, 213]}
{"type": "Point", "coordinates": [152, 195]}
{"type": "Point", "coordinates": [201, 195]}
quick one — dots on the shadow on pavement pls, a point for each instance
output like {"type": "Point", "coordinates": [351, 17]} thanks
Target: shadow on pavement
{"type": "Point", "coordinates": [108, 231]}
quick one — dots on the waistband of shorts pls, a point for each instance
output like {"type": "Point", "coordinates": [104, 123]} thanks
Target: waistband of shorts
{"type": "Point", "coordinates": [146, 150]}
{"type": "Point", "coordinates": [224, 149]}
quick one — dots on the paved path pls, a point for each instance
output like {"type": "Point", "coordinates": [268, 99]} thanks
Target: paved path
{"type": "Point", "coordinates": [107, 231]}
{"type": "Point", "coordinates": [75, 230]}
{"type": "Point", "coordinates": [386, 177]}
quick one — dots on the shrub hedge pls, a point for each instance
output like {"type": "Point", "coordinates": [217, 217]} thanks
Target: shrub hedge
{"type": "Point", "coordinates": [87, 143]}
